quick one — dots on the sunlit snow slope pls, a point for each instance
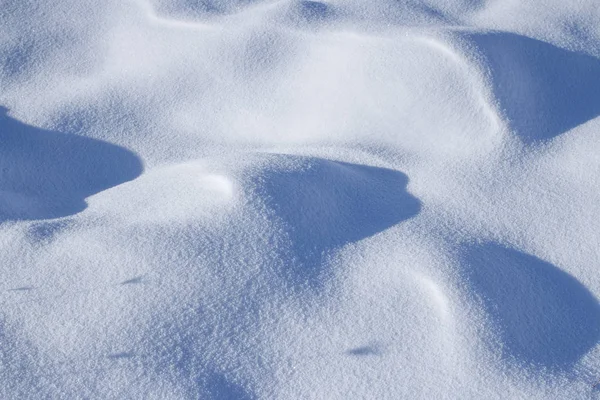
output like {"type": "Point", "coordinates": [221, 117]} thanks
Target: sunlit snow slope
{"type": "Point", "coordinates": [282, 199]}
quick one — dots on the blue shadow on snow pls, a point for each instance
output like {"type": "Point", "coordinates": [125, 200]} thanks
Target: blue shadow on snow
{"type": "Point", "coordinates": [543, 316]}
{"type": "Point", "coordinates": [46, 174]}
{"type": "Point", "coordinates": [219, 388]}
{"type": "Point", "coordinates": [543, 90]}
{"type": "Point", "coordinates": [325, 205]}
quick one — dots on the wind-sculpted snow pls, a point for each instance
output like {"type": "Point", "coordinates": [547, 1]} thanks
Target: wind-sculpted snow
{"type": "Point", "coordinates": [324, 205]}
{"type": "Point", "coordinates": [544, 90]}
{"type": "Point", "coordinates": [291, 199]}
{"type": "Point", "coordinates": [544, 317]}
{"type": "Point", "coordinates": [46, 174]}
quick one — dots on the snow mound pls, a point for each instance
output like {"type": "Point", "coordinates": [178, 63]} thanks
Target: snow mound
{"type": "Point", "coordinates": [266, 199]}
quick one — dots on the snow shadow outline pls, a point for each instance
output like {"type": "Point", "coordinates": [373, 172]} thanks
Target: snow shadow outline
{"type": "Point", "coordinates": [324, 205]}
{"type": "Point", "coordinates": [543, 316]}
{"type": "Point", "coordinates": [46, 174]}
{"type": "Point", "coordinates": [543, 90]}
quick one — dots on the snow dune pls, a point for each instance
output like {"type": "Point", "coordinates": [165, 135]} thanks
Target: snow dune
{"type": "Point", "coordinates": [276, 199]}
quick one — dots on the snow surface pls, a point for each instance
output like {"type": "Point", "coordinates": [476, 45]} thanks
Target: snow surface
{"type": "Point", "coordinates": [282, 199]}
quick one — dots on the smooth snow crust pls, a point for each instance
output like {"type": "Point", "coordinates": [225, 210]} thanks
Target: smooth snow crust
{"type": "Point", "coordinates": [276, 199]}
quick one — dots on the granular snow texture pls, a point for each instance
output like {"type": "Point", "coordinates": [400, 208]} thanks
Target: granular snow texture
{"type": "Point", "coordinates": [288, 199]}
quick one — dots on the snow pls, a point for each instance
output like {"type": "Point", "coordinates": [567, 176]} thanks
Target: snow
{"type": "Point", "coordinates": [279, 199]}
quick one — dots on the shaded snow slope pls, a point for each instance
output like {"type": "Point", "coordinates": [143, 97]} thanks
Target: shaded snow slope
{"type": "Point", "coordinates": [263, 199]}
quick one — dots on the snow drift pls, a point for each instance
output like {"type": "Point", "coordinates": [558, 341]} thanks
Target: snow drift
{"type": "Point", "coordinates": [262, 199]}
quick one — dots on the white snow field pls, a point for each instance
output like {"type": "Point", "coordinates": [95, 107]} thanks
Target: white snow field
{"type": "Point", "coordinates": [288, 199]}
